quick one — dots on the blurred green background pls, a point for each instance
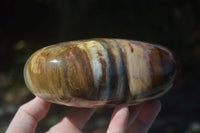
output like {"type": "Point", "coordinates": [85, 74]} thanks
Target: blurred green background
{"type": "Point", "coordinates": [27, 25]}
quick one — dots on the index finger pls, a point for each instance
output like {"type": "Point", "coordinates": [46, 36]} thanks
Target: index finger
{"type": "Point", "coordinates": [28, 115]}
{"type": "Point", "coordinates": [145, 117]}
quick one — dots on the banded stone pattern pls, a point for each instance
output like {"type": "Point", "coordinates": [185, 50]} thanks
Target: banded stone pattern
{"type": "Point", "coordinates": [100, 72]}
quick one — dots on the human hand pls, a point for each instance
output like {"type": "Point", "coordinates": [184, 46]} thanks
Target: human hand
{"type": "Point", "coordinates": [133, 119]}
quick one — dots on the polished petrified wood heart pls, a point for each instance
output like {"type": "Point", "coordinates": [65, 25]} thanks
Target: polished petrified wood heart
{"type": "Point", "coordinates": [100, 72]}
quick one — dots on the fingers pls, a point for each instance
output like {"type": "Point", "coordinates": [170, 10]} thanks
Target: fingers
{"type": "Point", "coordinates": [73, 122]}
{"type": "Point", "coordinates": [28, 115]}
{"type": "Point", "coordinates": [134, 111]}
{"type": "Point", "coordinates": [102, 129]}
{"type": "Point", "coordinates": [119, 120]}
{"type": "Point", "coordinates": [146, 117]}
{"type": "Point", "coordinates": [132, 114]}
{"type": "Point", "coordinates": [135, 119]}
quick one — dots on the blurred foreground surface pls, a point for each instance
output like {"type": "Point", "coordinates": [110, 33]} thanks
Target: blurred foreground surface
{"type": "Point", "coordinates": [26, 26]}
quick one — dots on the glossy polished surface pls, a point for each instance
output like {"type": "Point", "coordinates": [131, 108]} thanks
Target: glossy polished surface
{"type": "Point", "coordinates": [100, 72]}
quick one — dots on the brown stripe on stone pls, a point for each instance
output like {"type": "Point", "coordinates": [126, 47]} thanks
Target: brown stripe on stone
{"type": "Point", "coordinates": [161, 66]}
{"type": "Point", "coordinates": [156, 67]}
{"type": "Point", "coordinates": [131, 47]}
{"type": "Point", "coordinates": [80, 81]}
{"type": "Point", "coordinates": [104, 80]}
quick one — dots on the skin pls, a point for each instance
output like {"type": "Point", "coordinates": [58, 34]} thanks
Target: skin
{"type": "Point", "coordinates": [133, 119]}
